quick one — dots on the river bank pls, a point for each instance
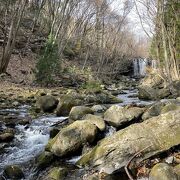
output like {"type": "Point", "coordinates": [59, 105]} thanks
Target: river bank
{"type": "Point", "coordinates": [71, 123]}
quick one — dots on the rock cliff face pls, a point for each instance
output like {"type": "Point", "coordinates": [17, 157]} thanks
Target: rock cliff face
{"type": "Point", "coordinates": [154, 87]}
{"type": "Point", "coordinates": [158, 134]}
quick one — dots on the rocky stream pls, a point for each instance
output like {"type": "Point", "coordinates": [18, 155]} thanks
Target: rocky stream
{"type": "Point", "coordinates": [91, 140]}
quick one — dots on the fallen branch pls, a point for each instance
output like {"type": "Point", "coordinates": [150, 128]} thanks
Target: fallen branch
{"type": "Point", "coordinates": [129, 162]}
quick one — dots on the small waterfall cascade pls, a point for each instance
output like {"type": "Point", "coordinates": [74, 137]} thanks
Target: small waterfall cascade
{"type": "Point", "coordinates": [140, 65]}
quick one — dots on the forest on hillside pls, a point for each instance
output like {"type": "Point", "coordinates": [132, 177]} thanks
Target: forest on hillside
{"type": "Point", "coordinates": [89, 89]}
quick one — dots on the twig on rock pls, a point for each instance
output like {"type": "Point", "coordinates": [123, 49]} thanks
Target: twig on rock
{"type": "Point", "coordinates": [129, 162]}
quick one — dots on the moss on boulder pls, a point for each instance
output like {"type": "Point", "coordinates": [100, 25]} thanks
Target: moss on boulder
{"type": "Point", "coordinates": [156, 135]}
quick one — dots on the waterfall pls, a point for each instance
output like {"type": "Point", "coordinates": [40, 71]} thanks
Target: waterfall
{"type": "Point", "coordinates": [140, 65]}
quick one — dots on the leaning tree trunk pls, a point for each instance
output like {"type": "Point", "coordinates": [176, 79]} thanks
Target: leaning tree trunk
{"type": "Point", "coordinates": [15, 23]}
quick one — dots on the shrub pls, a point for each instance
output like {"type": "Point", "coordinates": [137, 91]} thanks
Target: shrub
{"type": "Point", "coordinates": [48, 65]}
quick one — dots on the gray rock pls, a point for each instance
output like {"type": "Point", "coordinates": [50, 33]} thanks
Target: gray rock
{"type": "Point", "coordinates": [72, 138]}
{"type": "Point", "coordinates": [78, 112]}
{"type": "Point", "coordinates": [66, 103]}
{"type": "Point", "coordinates": [96, 120]}
{"type": "Point", "coordinates": [57, 173]}
{"type": "Point", "coordinates": [170, 160]}
{"type": "Point", "coordinates": [117, 115]}
{"type": "Point", "coordinates": [98, 108]}
{"type": "Point", "coordinates": [160, 108]}
{"type": "Point", "coordinates": [154, 136]}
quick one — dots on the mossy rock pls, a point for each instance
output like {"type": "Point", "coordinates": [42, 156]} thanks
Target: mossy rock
{"type": "Point", "coordinates": [156, 135]}
{"type": "Point", "coordinates": [44, 160]}
{"type": "Point", "coordinates": [13, 172]}
{"type": "Point", "coordinates": [96, 120]}
{"type": "Point", "coordinates": [117, 115]}
{"type": "Point", "coordinates": [66, 103]}
{"type": "Point", "coordinates": [47, 103]}
{"type": "Point", "coordinates": [162, 171]}
{"type": "Point", "coordinates": [78, 112]}
{"type": "Point", "coordinates": [71, 138]}
{"type": "Point", "coordinates": [57, 173]}
{"type": "Point", "coordinates": [169, 107]}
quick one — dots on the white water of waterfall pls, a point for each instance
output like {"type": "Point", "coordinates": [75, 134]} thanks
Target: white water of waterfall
{"type": "Point", "coordinates": [140, 65]}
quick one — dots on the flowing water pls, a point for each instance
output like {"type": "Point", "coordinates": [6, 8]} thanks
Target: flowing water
{"type": "Point", "coordinates": [131, 97]}
{"type": "Point", "coordinates": [30, 140]}
{"type": "Point", "coordinates": [140, 65]}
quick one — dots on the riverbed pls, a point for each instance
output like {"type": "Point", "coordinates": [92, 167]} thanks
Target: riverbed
{"type": "Point", "coordinates": [30, 140]}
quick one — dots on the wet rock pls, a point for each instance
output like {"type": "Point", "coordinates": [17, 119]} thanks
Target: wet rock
{"type": "Point", "coordinates": [117, 115]}
{"type": "Point", "coordinates": [57, 173]}
{"type": "Point", "coordinates": [44, 160]}
{"type": "Point", "coordinates": [13, 172]}
{"type": "Point", "coordinates": [162, 171]}
{"type": "Point", "coordinates": [6, 137]}
{"type": "Point", "coordinates": [78, 112]}
{"type": "Point", "coordinates": [66, 103]}
{"type": "Point", "coordinates": [116, 92]}
{"type": "Point", "coordinates": [107, 98]}
{"type": "Point", "coordinates": [96, 120]}
{"type": "Point", "coordinates": [154, 136]}
{"type": "Point", "coordinates": [71, 138]}
{"type": "Point", "coordinates": [98, 108]}
{"type": "Point", "coordinates": [160, 108]}
{"type": "Point", "coordinates": [24, 122]}
{"type": "Point", "coordinates": [47, 103]}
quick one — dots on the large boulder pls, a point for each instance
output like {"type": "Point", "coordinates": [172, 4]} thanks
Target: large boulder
{"type": "Point", "coordinates": [154, 87]}
{"type": "Point", "coordinates": [78, 112]}
{"type": "Point", "coordinates": [147, 93]}
{"type": "Point", "coordinates": [47, 103]}
{"type": "Point", "coordinates": [154, 136]}
{"type": "Point", "coordinates": [71, 138]}
{"type": "Point", "coordinates": [162, 171]}
{"type": "Point", "coordinates": [66, 103]}
{"type": "Point", "coordinates": [161, 107]}
{"type": "Point", "coordinates": [96, 120]}
{"type": "Point", "coordinates": [153, 80]}
{"type": "Point", "coordinates": [117, 115]}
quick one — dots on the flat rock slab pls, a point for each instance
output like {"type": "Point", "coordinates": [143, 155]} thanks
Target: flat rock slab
{"type": "Point", "coordinates": [112, 153]}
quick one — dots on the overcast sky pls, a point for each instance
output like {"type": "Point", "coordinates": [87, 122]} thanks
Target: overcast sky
{"type": "Point", "coordinates": [133, 17]}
